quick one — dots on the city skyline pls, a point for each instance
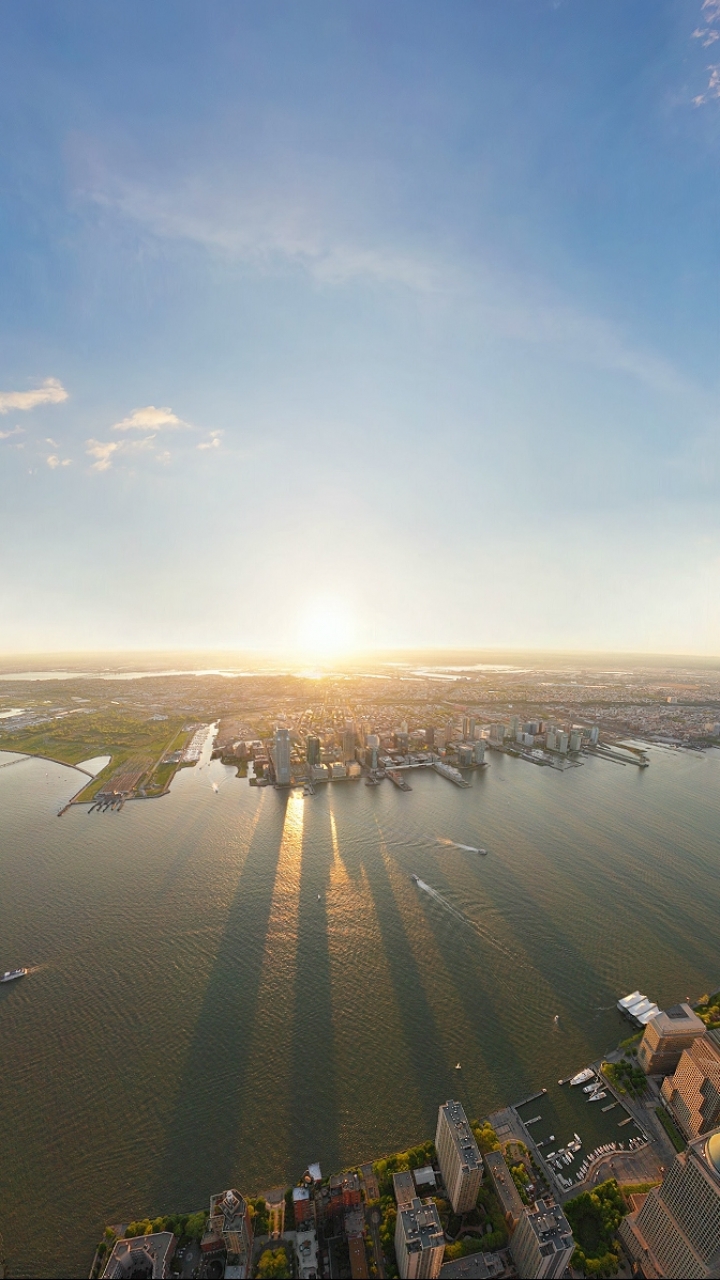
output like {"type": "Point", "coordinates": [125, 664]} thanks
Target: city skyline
{"type": "Point", "coordinates": [359, 330]}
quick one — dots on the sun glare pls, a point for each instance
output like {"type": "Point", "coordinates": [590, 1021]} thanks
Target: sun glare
{"type": "Point", "coordinates": [326, 628]}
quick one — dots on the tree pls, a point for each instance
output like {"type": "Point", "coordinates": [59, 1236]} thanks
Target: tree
{"type": "Point", "coordinates": [195, 1226]}
{"type": "Point", "coordinates": [273, 1265]}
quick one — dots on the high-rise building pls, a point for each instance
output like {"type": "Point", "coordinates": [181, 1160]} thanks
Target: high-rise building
{"type": "Point", "coordinates": [575, 740]}
{"type": "Point", "coordinates": [419, 1240]}
{"type": "Point", "coordinates": [348, 742]}
{"type": "Point", "coordinates": [665, 1037]}
{"type": "Point", "coordinates": [594, 735]}
{"type": "Point", "coordinates": [312, 753]}
{"type": "Point", "coordinates": [458, 1156]}
{"type": "Point", "coordinates": [693, 1092]}
{"type": "Point", "coordinates": [676, 1231]}
{"type": "Point", "coordinates": [282, 757]}
{"type": "Point", "coordinates": [230, 1219]}
{"type": "Point", "coordinates": [542, 1242]}
{"type": "Point", "coordinates": [466, 722]}
{"type": "Point", "coordinates": [561, 741]}
{"type": "Point", "coordinates": [479, 751]}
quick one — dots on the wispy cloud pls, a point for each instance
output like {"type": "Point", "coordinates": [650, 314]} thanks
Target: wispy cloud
{"type": "Point", "coordinates": [713, 87]}
{"type": "Point", "coordinates": [16, 431]}
{"type": "Point", "coordinates": [105, 452]}
{"type": "Point", "coordinates": [213, 442]}
{"type": "Point", "coordinates": [51, 392]}
{"type": "Point", "coordinates": [149, 419]}
{"type": "Point", "coordinates": [54, 461]}
{"type": "Point", "coordinates": [275, 224]}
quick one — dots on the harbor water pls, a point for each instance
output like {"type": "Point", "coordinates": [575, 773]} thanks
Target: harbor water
{"type": "Point", "coordinates": [230, 982]}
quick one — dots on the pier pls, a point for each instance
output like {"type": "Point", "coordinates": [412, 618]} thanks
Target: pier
{"type": "Point", "coordinates": [532, 1098]}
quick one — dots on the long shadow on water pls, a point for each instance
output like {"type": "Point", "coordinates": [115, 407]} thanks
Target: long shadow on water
{"type": "Point", "coordinates": [201, 1140]}
{"type": "Point", "coordinates": [314, 1133]}
{"type": "Point", "coordinates": [422, 1034]}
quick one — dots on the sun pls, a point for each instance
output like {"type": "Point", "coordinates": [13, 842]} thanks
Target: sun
{"type": "Point", "coordinates": [326, 628]}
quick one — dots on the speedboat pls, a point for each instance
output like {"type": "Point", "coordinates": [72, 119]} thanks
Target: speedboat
{"type": "Point", "coordinates": [415, 879]}
{"type": "Point", "coordinates": [583, 1076]}
{"type": "Point", "coordinates": [590, 1088]}
{"type": "Point", "coordinates": [12, 974]}
{"type": "Point", "coordinates": [595, 1097]}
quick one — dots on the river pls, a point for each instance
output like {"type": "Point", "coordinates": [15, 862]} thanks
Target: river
{"type": "Point", "coordinates": [198, 1017]}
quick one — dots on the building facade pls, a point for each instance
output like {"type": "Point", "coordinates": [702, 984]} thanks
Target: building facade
{"type": "Point", "coordinates": [542, 1243]}
{"type": "Point", "coordinates": [665, 1037]}
{"type": "Point", "coordinates": [282, 757]}
{"type": "Point", "coordinates": [458, 1156]}
{"type": "Point", "coordinates": [419, 1240]}
{"type": "Point", "coordinates": [693, 1092]}
{"type": "Point", "coordinates": [676, 1232]}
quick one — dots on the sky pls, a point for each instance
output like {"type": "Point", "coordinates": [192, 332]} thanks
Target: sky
{"type": "Point", "coordinates": [360, 325]}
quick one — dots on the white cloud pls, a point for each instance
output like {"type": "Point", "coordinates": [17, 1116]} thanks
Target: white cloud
{"type": "Point", "coordinates": [105, 452]}
{"type": "Point", "coordinates": [51, 392]}
{"type": "Point", "coordinates": [713, 87]}
{"type": "Point", "coordinates": [712, 9]}
{"type": "Point", "coordinates": [54, 461]}
{"type": "Point", "coordinates": [149, 418]}
{"type": "Point", "coordinates": [49, 440]}
{"type": "Point", "coordinates": [16, 431]}
{"type": "Point", "coordinates": [213, 442]}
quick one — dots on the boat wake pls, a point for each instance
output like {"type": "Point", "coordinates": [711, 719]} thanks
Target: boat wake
{"type": "Point", "coordinates": [466, 848]}
{"type": "Point", "coordinates": [482, 933]}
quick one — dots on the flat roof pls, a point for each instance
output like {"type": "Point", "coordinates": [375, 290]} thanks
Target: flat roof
{"type": "Point", "coordinates": [421, 1225]}
{"type": "Point", "coordinates": [462, 1135]}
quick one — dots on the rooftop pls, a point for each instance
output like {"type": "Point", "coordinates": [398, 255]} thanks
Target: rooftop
{"type": "Point", "coordinates": [462, 1135]}
{"type": "Point", "coordinates": [421, 1225]}
{"type": "Point", "coordinates": [551, 1227]}
{"type": "Point", "coordinates": [678, 1020]}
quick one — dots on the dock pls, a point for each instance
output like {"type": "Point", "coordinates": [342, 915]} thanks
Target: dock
{"type": "Point", "coordinates": [532, 1098]}
{"type": "Point", "coordinates": [401, 783]}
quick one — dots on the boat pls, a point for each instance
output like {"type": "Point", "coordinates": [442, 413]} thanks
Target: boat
{"type": "Point", "coordinates": [415, 879]}
{"type": "Point", "coordinates": [583, 1076]}
{"type": "Point", "coordinates": [458, 1067]}
{"type": "Point", "coordinates": [318, 897]}
{"type": "Point", "coordinates": [577, 1138]}
{"type": "Point", "coordinates": [595, 1097]}
{"type": "Point", "coordinates": [590, 1088]}
{"type": "Point", "coordinates": [12, 974]}
{"type": "Point", "coordinates": [556, 1019]}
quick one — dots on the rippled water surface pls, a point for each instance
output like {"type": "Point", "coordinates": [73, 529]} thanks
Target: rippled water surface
{"type": "Point", "coordinates": [198, 1017]}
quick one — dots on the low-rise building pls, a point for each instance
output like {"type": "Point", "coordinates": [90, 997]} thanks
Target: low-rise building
{"type": "Point", "coordinates": [419, 1240]}
{"type": "Point", "coordinates": [542, 1243]}
{"type": "Point", "coordinates": [147, 1257]}
{"type": "Point", "coordinates": [665, 1037]}
{"type": "Point", "coordinates": [303, 1205]}
{"type": "Point", "coordinates": [475, 1266]}
{"type": "Point", "coordinates": [404, 1189]}
{"type": "Point", "coordinates": [306, 1251]}
{"type": "Point", "coordinates": [505, 1189]}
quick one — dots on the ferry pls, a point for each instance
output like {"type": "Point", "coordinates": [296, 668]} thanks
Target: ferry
{"type": "Point", "coordinates": [12, 974]}
{"type": "Point", "coordinates": [582, 1077]}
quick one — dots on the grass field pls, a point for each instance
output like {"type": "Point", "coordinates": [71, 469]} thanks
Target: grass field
{"type": "Point", "coordinates": [120, 734]}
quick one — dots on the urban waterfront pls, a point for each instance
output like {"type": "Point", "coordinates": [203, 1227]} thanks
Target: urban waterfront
{"type": "Point", "coordinates": [198, 1017]}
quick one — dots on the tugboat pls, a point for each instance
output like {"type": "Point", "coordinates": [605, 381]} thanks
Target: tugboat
{"type": "Point", "coordinates": [12, 974]}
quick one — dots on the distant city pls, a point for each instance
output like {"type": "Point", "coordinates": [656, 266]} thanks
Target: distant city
{"type": "Point", "coordinates": [308, 728]}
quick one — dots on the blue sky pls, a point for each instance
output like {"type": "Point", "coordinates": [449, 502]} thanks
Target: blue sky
{"type": "Point", "coordinates": [398, 322]}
